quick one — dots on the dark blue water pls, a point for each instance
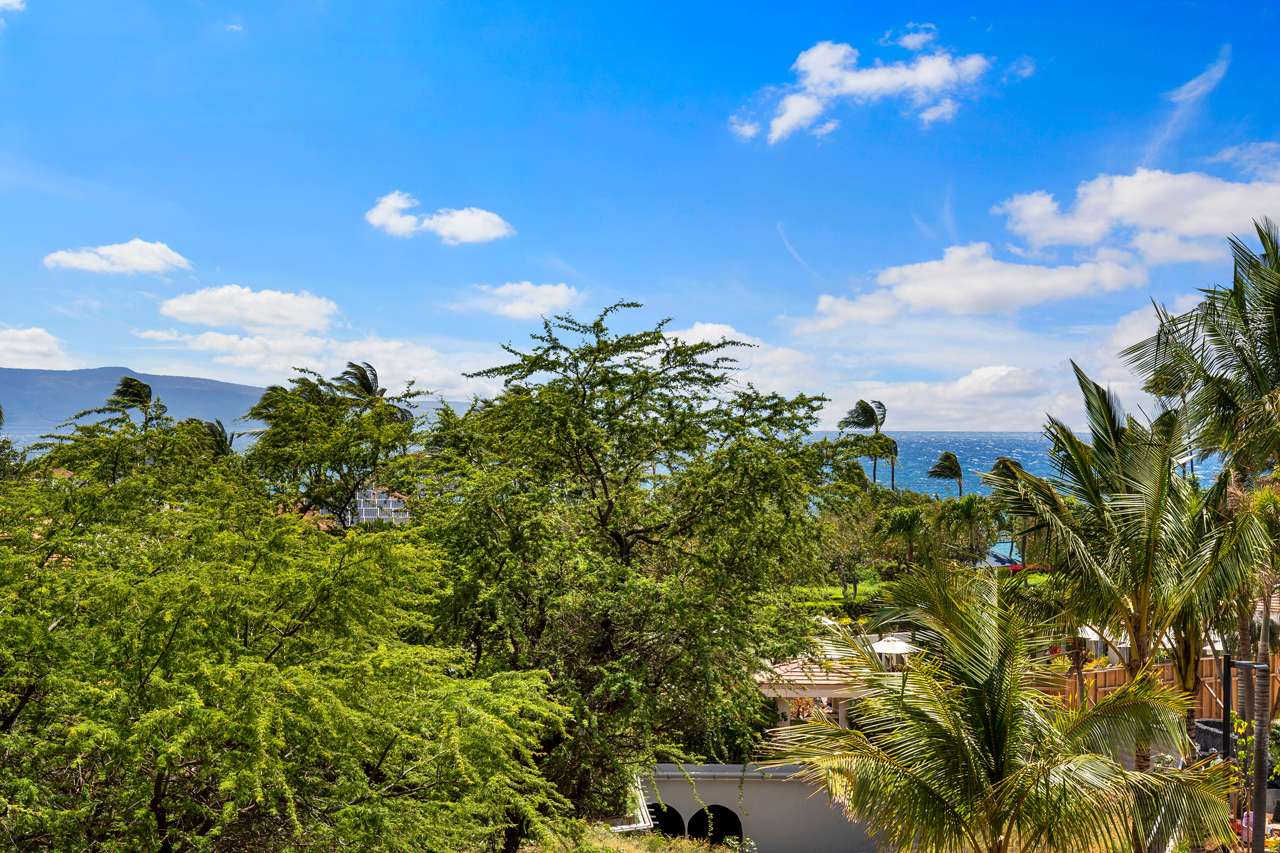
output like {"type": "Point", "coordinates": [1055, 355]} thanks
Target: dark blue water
{"type": "Point", "coordinates": [977, 452]}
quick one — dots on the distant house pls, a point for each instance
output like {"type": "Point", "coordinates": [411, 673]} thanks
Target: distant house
{"type": "Point", "coordinates": [379, 504]}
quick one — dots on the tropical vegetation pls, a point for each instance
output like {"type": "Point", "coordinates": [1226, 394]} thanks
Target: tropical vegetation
{"type": "Point", "coordinates": [207, 647]}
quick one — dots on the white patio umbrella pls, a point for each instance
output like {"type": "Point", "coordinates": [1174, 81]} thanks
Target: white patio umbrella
{"type": "Point", "coordinates": [893, 646]}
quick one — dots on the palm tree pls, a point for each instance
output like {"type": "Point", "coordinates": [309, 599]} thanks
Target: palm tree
{"type": "Point", "coordinates": [360, 381]}
{"type": "Point", "coordinates": [905, 523]}
{"type": "Point", "coordinates": [869, 415]}
{"type": "Point", "coordinates": [948, 468]}
{"type": "Point", "coordinates": [963, 751]}
{"type": "Point", "coordinates": [220, 440]}
{"type": "Point", "coordinates": [964, 516]}
{"type": "Point", "coordinates": [1223, 358]}
{"type": "Point", "coordinates": [1132, 543]}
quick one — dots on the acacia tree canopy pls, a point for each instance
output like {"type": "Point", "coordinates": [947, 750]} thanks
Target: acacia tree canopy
{"type": "Point", "coordinates": [627, 517]}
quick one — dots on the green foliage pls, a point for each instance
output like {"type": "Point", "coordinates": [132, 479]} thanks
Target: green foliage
{"type": "Point", "coordinates": [1221, 360]}
{"type": "Point", "coordinates": [948, 468]}
{"type": "Point", "coordinates": [963, 751]}
{"type": "Point", "coordinates": [326, 440]}
{"type": "Point", "coordinates": [183, 666]}
{"type": "Point", "coordinates": [626, 519]}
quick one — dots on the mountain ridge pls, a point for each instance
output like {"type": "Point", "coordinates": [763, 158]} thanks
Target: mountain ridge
{"type": "Point", "coordinates": [37, 399]}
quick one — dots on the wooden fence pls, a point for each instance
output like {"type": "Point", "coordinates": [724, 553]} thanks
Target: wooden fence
{"type": "Point", "coordinates": [1104, 681]}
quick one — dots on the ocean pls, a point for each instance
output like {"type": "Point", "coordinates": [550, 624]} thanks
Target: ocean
{"type": "Point", "coordinates": [917, 451]}
{"type": "Point", "coordinates": [977, 452]}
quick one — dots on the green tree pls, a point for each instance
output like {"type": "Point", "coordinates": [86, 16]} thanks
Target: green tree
{"type": "Point", "coordinates": [907, 524]}
{"type": "Point", "coordinates": [624, 517]}
{"type": "Point", "coordinates": [326, 440]}
{"type": "Point", "coordinates": [871, 415]}
{"type": "Point", "coordinates": [131, 434]}
{"type": "Point", "coordinates": [963, 750]}
{"type": "Point", "coordinates": [971, 518]}
{"type": "Point", "coordinates": [185, 667]}
{"type": "Point", "coordinates": [948, 468]}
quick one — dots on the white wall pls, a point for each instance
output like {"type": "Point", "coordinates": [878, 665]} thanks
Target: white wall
{"type": "Point", "coordinates": [780, 815]}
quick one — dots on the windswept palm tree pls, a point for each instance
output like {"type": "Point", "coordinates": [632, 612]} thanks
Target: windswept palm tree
{"type": "Point", "coordinates": [1132, 544]}
{"type": "Point", "coordinates": [962, 752]}
{"type": "Point", "coordinates": [360, 381]}
{"type": "Point", "coordinates": [868, 415]}
{"type": "Point", "coordinates": [1223, 358]}
{"type": "Point", "coordinates": [948, 468]}
{"type": "Point", "coordinates": [220, 441]}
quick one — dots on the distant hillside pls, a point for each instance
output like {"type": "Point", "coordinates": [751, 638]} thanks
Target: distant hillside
{"type": "Point", "coordinates": [42, 399]}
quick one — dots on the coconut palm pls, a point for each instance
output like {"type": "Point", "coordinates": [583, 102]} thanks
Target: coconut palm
{"type": "Point", "coordinates": [220, 441]}
{"type": "Point", "coordinates": [1223, 358]}
{"type": "Point", "coordinates": [360, 381]}
{"type": "Point", "coordinates": [869, 415]}
{"type": "Point", "coordinates": [907, 524]}
{"type": "Point", "coordinates": [1132, 544]}
{"type": "Point", "coordinates": [963, 751]}
{"type": "Point", "coordinates": [964, 517]}
{"type": "Point", "coordinates": [948, 468]}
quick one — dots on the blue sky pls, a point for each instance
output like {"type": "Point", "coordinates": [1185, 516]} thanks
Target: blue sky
{"type": "Point", "coordinates": [934, 205]}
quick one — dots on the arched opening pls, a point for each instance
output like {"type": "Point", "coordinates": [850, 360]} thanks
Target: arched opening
{"type": "Point", "coordinates": [666, 820]}
{"type": "Point", "coordinates": [716, 824]}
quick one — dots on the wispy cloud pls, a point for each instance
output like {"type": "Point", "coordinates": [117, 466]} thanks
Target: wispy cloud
{"type": "Point", "coordinates": [1186, 99]}
{"type": "Point", "coordinates": [521, 300]}
{"type": "Point", "coordinates": [795, 254]}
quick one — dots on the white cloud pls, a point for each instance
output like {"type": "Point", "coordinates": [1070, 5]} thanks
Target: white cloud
{"type": "Point", "coordinates": [1019, 69]}
{"type": "Point", "coordinates": [876, 308]}
{"type": "Point", "coordinates": [242, 308]}
{"type": "Point", "coordinates": [12, 5]}
{"type": "Point", "coordinates": [271, 358]}
{"type": "Point", "coordinates": [521, 300]}
{"type": "Point", "coordinates": [918, 36]}
{"type": "Point", "coordinates": [133, 257]}
{"type": "Point", "coordinates": [743, 128]}
{"type": "Point", "coordinates": [968, 280]}
{"type": "Point", "coordinates": [829, 71]}
{"type": "Point", "coordinates": [469, 225]}
{"type": "Point", "coordinates": [1163, 214]}
{"type": "Point", "coordinates": [944, 110]}
{"type": "Point", "coordinates": [999, 380]}
{"type": "Point", "coordinates": [276, 353]}
{"type": "Point", "coordinates": [32, 348]}
{"type": "Point", "coordinates": [768, 367]}
{"type": "Point", "coordinates": [235, 28]}
{"type": "Point", "coordinates": [1187, 99]}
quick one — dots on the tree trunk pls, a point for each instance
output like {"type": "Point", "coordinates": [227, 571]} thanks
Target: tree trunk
{"type": "Point", "coordinates": [1261, 725]}
{"type": "Point", "coordinates": [874, 460]}
{"type": "Point", "coordinates": [893, 470]}
{"type": "Point", "coordinates": [1244, 686]}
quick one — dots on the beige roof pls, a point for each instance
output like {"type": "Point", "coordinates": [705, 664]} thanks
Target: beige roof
{"type": "Point", "coordinates": [806, 677]}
